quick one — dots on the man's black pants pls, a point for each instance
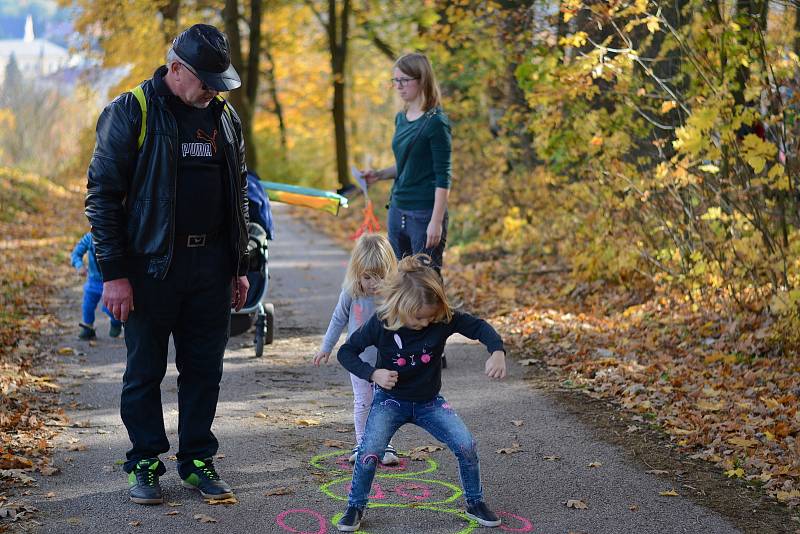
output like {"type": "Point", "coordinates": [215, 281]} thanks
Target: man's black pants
{"type": "Point", "coordinates": [193, 304]}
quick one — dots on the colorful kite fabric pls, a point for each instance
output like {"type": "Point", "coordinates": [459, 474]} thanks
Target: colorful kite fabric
{"type": "Point", "coordinates": [305, 196]}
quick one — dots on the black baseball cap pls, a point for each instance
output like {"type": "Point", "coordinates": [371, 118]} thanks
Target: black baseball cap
{"type": "Point", "coordinates": [206, 50]}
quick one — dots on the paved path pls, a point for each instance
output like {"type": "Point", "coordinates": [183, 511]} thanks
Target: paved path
{"type": "Point", "coordinates": [265, 445]}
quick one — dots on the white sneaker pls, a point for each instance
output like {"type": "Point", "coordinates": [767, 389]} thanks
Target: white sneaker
{"type": "Point", "coordinates": [352, 458]}
{"type": "Point", "coordinates": [390, 456]}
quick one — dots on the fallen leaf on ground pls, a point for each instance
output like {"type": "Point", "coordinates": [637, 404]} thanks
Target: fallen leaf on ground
{"type": "Point", "coordinates": [633, 507]}
{"type": "Point", "coordinates": [73, 521]}
{"type": "Point", "coordinates": [427, 448]}
{"type": "Point", "coordinates": [279, 491]}
{"type": "Point", "coordinates": [657, 472]}
{"type": "Point", "coordinates": [228, 500]}
{"type": "Point", "coordinates": [49, 471]}
{"type": "Point", "coordinates": [517, 422]}
{"type": "Point", "coordinates": [203, 518]}
{"type": "Point", "coordinates": [66, 351]}
{"type": "Point", "coordinates": [76, 447]}
{"type": "Point", "coordinates": [335, 443]}
{"type": "Point", "coordinates": [743, 442]}
{"type": "Point", "coordinates": [737, 473]}
{"type": "Point", "coordinates": [307, 422]}
{"type": "Point", "coordinates": [576, 504]}
{"type": "Point", "coordinates": [134, 523]}
{"type": "Point", "coordinates": [670, 493]}
{"type": "Point", "coordinates": [552, 458]}
{"type": "Point", "coordinates": [510, 450]}
{"type": "Point", "coordinates": [261, 415]}
{"type": "Point", "coordinates": [529, 361]}
{"type": "Point", "coordinates": [342, 430]}
{"type": "Point", "coordinates": [174, 504]}
{"type": "Point", "coordinates": [172, 512]}
{"type": "Point", "coordinates": [595, 464]}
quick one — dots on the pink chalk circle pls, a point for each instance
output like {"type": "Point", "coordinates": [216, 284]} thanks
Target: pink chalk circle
{"type": "Point", "coordinates": [322, 523]}
{"type": "Point", "coordinates": [405, 490]}
{"type": "Point", "coordinates": [344, 464]}
{"type": "Point", "coordinates": [399, 467]}
{"type": "Point", "coordinates": [527, 526]}
{"type": "Point", "coordinates": [425, 358]}
{"type": "Point", "coordinates": [401, 362]}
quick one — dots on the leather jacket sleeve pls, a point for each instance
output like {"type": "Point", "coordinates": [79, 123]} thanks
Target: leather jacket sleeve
{"type": "Point", "coordinates": [245, 204]}
{"type": "Point", "coordinates": [110, 171]}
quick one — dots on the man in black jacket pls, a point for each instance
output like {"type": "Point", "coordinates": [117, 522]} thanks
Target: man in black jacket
{"type": "Point", "coordinates": [167, 201]}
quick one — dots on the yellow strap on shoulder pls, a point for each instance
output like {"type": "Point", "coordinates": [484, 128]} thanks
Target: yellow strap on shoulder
{"type": "Point", "coordinates": [138, 92]}
{"type": "Point", "coordinates": [226, 108]}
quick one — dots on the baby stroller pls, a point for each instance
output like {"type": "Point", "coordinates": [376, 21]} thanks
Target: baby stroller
{"type": "Point", "coordinates": [259, 230]}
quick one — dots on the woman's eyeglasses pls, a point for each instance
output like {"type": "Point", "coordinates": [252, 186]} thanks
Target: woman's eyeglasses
{"type": "Point", "coordinates": [402, 82]}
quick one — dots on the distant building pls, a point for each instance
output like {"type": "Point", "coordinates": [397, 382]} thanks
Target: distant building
{"type": "Point", "coordinates": [35, 57]}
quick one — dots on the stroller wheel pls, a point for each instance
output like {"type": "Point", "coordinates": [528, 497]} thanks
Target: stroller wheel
{"type": "Point", "coordinates": [269, 323]}
{"type": "Point", "coordinates": [259, 344]}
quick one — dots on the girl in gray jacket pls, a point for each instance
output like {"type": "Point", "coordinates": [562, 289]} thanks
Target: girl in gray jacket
{"type": "Point", "coordinates": [372, 259]}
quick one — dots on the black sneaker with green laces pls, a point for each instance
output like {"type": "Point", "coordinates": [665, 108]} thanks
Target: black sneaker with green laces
{"type": "Point", "coordinates": [201, 475]}
{"type": "Point", "coordinates": [143, 485]}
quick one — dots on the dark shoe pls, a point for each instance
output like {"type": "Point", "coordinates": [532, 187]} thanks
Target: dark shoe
{"type": "Point", "coordinates": [351, 520]}
{"type": "Point", "coordinates": [481, 513]}
{"type": "Point", "coordinates": [202, 476]}
{"type": "Point", "coordinates": [115, 330]}
{"type": "Point", "coordinates": [143, 485]}
{"type": "Point", "coordinates": [87, 332]}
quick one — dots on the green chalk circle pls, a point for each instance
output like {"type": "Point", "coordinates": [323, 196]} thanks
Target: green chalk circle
{"type": "Point", "coordinates": [457, 491]}
{"type": "Point", "coordinates": [317, 461]}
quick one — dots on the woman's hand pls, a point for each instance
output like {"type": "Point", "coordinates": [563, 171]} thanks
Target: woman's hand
{"type": "Point", "coordinates": [320, 356]}
{"type": "Point", "coordinates": [434, 233]}
{"type": "Point", "coordinates": [371, 176]}
{"type": "Point", "coordinates": [496, 365]}
{"type": "Point", "coordinates": [384, 378]}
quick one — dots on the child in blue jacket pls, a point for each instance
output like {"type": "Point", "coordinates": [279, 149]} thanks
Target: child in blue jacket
{"type": "Point", "coordinates": [92, 289]}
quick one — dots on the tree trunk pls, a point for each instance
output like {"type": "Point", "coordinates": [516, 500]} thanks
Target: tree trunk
{"type": "Point", "coordinates": [241, 98]}
{"type": "Point", "coordinates": [797, 28]}
{"type": "Point", "coordinates": [338, 26]}
{"type": "Point", "coordinates": [273, 94]}
{"type": "Point", "coordinates": [169, 19]}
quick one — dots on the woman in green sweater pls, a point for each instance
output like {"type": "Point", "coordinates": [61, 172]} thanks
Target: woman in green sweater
{"type": "Point", "coordinates": [421, 173]}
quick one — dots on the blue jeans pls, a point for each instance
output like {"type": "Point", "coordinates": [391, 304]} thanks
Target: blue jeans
{"type": "Point", "coordinates": [90, 299]}
{"type": "Point", "coordinates": [408, 232]}
{"type": "Point", "coordinates": [437, 417]}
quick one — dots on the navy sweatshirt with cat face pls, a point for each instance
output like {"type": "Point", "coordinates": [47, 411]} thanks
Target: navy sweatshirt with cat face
{"type": "Point", "coordinates": [416, 355]}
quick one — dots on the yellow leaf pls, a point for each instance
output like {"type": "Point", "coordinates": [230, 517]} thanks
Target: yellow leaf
{"type": "Point", "coordinates": [784, 496]}
{"type": "Point", "coordinates": [668, 105]}
{"type": "Point", "coordinates": [596, 141]}
{"type": "Point", "coordinates": [710, 406]}
{"type": "Point", "coordinates": [743, 442]}
{"type": "Point", "coordinates": [670, 493]}
{"type": "Point", "coordinates": [735, 473]}
{"type": "Point", "coordinates": [652, 24]}
{"type": "Point", "coordinates": [307, 422]}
